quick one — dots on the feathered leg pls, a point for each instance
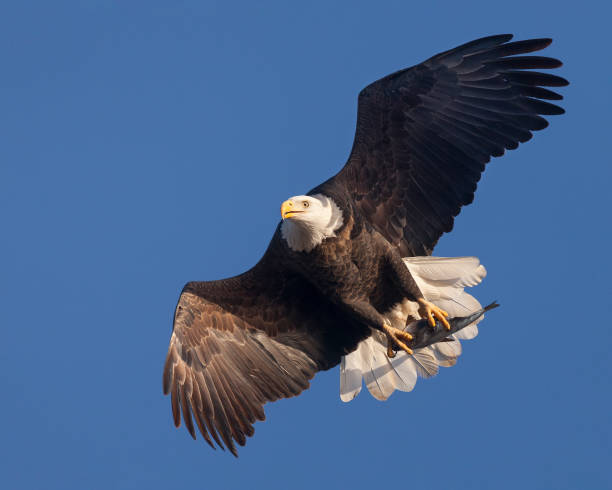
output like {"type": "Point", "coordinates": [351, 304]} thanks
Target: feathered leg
{"type": "Point", "coordinates": [396, 338]}
{"type": "Point", "coordinates": [411, 291]}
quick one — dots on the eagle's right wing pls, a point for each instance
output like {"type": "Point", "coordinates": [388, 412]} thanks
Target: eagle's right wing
{"type": "Point", "coordinates": [424, 134]}
{"type": "Point", "coordinates": [238, 343]}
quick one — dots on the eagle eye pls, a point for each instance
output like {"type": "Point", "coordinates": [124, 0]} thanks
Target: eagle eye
{"type": "Point", "coordinates": [306, 204]}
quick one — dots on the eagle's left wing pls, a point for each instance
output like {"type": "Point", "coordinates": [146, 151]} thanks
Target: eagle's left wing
{"type": "Point", "coordinates": [240, 342]}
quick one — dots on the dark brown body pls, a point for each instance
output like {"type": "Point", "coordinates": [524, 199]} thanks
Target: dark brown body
{"type": "Point", "coordinates": [358, 270]}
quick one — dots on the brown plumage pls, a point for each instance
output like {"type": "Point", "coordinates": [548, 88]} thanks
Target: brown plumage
{"type": "Point", "coordinates": [424, 135]}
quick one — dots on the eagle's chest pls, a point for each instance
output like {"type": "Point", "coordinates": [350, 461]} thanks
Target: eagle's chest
{"type": "Point", "coordinates": [347, 268]}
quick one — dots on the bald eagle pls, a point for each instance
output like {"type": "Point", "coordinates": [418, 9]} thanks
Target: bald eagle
{"type": "Point", "coordinates": [347, 277]}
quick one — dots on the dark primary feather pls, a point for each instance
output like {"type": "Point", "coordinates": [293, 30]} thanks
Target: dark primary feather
{"type": "Point", "coordinates": [241, 342]}
{"type": "Point", "coordinates": [424, 134]}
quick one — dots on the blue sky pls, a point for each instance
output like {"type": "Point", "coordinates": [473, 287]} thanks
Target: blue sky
{"type": "Point", "coordinates": [146, 144]}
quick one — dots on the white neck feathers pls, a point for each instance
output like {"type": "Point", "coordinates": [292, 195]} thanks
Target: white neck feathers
{"type": "Point", "coordinates": [305, 234]}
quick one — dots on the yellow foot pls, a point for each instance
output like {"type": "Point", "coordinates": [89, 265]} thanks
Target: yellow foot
{"type": "Point", "coordinates": [432, 312]}
{"type": "Point", "coordinates": [396, 339]}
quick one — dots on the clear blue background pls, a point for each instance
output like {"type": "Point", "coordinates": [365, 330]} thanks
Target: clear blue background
{"type": "Point", "coordinates": [145, 144]}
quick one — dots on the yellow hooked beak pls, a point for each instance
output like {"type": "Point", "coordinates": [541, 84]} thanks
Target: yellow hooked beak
{"type": "Point", "coordinates": [287, 210]}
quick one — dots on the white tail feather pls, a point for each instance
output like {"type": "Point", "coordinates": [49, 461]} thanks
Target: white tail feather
{"type": "Point", "coordinates": [350, 378]}
{"type": "Point", "coordinates": [405, 370]}
{"type": "Point", "coordinates": [441, 280]}
{"type": "Point", "coordinates": [379, 379]}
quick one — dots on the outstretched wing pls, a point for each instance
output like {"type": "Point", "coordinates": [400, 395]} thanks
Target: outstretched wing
{"type": "Point", "coordinates": [241, 342]}
{"type": "Point", "coordinates": [424, 134]}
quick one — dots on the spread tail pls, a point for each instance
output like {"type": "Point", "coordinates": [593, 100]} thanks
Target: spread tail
{"type": "Point", "coordinates": [442, 281]}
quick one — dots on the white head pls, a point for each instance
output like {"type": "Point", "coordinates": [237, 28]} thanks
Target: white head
{"type": "Point", "coordinates": [308, 220]}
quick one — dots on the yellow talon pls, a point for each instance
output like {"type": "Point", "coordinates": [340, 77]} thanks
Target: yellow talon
{"type": "Point", "coordinates": [395, 336]}
{"type": "Point", "coordinates": [432, 312]}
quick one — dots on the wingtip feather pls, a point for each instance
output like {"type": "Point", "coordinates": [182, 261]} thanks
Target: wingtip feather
{"type": "Point", "coordinates": [174, 401]}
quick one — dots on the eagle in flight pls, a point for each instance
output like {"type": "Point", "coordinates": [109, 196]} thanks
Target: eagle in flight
{"type": "Point", "coordinates": [348, 277]}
